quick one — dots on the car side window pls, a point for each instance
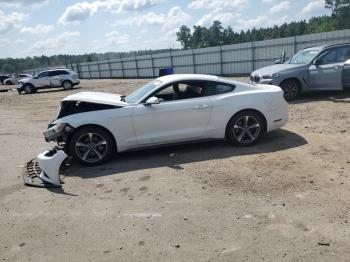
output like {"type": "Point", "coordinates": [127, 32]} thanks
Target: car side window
{"type": "Point", "coordinates": [344, 53]}
{"type": "Point", "coordinates": [217, 88]}
{"type": "Point", "coordinates": [180, 90]}
{"type": "Point", "coordinates": [192, 89]}
{"type": "Point", "coordinates": [43, 74]}
{"type": "Point", "coordinates": [55, 73]}
{"type": "Point", "coordinates": [336, 55]}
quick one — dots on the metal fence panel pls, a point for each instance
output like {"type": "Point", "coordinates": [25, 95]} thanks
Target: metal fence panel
{"type": "Point", "coordinates": [237, 59]}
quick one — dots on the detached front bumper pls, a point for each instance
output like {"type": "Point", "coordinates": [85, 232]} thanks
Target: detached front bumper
{"type": "Point", "coordinates": [44, 170]}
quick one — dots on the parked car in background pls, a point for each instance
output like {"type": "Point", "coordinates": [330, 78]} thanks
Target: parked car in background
{"type": "Point", "coordinates": [2, 78]}
{"type": "Point", "coordinates": [315, 68]}
{"type": "Point", "coordinates": [15, 78]}
{"type": "Point", "coordinates": [170, 109]}
{"type": "Point", "coordinates": [65, 78]}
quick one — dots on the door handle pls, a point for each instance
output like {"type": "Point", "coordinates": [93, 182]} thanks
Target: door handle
{"type": "Point", "coordinates": [201, 106]}
{"type": "Point", "coordinates": [337, 67]}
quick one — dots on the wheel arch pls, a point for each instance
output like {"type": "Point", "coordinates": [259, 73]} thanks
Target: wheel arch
{"type": "Point", "coordinates": [98, 126]}
{"type": "Point", "coordinates": [251, 110]}
{"type": "Point", "coordinates": [66, 80]}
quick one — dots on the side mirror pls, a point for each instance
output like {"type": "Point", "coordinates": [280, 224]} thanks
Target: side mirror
{"type": "Point", "coordinates": [152, 101]}
{"type": "Point", "coordinates": [278, 61]}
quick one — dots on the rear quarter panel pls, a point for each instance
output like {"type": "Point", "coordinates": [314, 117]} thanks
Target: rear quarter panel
{"type": "Point", "coordinates": [227, 105]}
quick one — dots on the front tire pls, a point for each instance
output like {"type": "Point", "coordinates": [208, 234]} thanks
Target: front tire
{"type": "Point", "coordinates": [291, 89]}
{"type": "Point", "coordinates": [91, 146]}
{"type": "Point", "coordinates": [8, 82]}
{"type": "Point", "coordinates": [67, 85]}
{"type": "Point", "coordinates": [245, 128]}
{"type": "Point", "coordinates": [29, 89]}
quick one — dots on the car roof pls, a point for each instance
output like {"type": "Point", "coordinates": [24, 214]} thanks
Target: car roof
{"type": "Point", "coordinates": [57, 69]}
{"type": "Point", "coordinates": [181, 77]}
{"type": "Point", "coordinates": [322, 47]}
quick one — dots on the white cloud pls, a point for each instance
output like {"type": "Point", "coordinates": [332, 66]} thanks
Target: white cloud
{"type": "Point", "coordinates": [56, 44]}
{"type": "Point", "coordinates": [141, 19]}
{"type": "Point", "coordinates": [223, 10]}
{"type": "Point", "coordinates": [218, 14]}
{"type": "Point", "coordinates": [174, 18]}
{"type": "Point", "coordinates": [214, 4]}
{"type": "Point", "coordinates": [313, 7]}
{"type": "Point", "coordinates": [38, 29]}
{"type": "Point", "coordinates": [4, 42]}
{"type": "Point", "coordinates": [20, 3]}
{"type": "Point", "coordinates": [261, 21]}
{"type": "Point", "coordinates": [83, 10]}
{"type": "Point", "coordinates": [115, 38]}
{"type": "Point", "coordinates": [7, 22]}
{"type": "Point", "coordinates": [280, 7]}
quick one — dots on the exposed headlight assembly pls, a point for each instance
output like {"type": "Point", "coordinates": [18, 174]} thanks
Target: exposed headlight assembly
{"type": "Point", "coordinates": [271, 76]}
{"type": "Point", "coordinates": [57, 130]}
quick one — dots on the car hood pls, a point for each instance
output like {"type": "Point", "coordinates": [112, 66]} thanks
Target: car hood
{"type": "Point", "coordinates": [273, 69]}
{"type": "Point", "coordinates": [25, 80]}
{"type": "Point", "coordinates": [97, 97]}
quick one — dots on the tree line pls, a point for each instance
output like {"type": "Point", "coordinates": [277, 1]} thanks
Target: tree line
{"type": "Point", "coordinates": [16, 65]}
{"type": "Point", "coordinates": [216, 35]}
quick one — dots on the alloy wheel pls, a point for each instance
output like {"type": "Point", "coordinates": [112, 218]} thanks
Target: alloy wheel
{"type": "Point", "coordinates": [91, 147]}
{"type": "Point", "coordinates": [290, 90]}
{"type": "Point", "coordinates": [246, 129]}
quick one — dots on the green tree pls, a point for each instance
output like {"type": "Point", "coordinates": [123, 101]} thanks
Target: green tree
{"type": "Point", "coordinates": [184, 37]}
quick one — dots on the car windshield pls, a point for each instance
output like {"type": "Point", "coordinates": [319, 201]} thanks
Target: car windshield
{"type": "Point", "coordinates": [303, 57]}
{"type": "Point", "coordinates": [142, 91]}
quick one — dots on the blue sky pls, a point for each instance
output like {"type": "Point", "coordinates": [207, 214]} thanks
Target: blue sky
{"type": "Point", "coordinates": [47, 27]}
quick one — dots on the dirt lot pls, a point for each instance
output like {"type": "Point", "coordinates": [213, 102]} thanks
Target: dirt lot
{"type": "Point", "coordinates": [286, 199]}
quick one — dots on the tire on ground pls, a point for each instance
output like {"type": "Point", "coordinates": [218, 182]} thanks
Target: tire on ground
{"type": "Point", "coordinates": [78, 153]}
{"type": "Point", "coordinates": [28, 89]}
{"type": "Point", "coordinates": [291, 89]}
{"type": "Point", "coordinates": [67, 85]}
{"type": "Point", "coordinates": [254, 127]}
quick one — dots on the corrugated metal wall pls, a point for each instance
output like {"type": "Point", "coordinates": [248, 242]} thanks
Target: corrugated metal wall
{"type": "Point", "coordinates": [229, 60]}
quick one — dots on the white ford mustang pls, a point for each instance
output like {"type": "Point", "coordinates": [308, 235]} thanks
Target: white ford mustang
{"type": "Point", "coordinates": [170, 109]}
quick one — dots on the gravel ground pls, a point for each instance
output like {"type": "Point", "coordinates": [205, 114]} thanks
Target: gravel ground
{"type": "Point", "coordinates": [286, 199]}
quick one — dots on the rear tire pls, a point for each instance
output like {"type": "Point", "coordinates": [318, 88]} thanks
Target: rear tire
{"type": "Point", "coordinates": [245, 128]}
{"type": "Point", "coordinates": [8, 82]}
{"type": "Point", "coordinates": [91, 146]}
{"type": "Point", "coordinates": [29, 89]}
{"type": "Point", "coordinates": [291, 89]}
{"type": "Point", "coordinates": [67, 85]}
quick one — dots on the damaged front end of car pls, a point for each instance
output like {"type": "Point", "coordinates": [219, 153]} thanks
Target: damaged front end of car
{"type": "Point", "coordinates": [43, 171]}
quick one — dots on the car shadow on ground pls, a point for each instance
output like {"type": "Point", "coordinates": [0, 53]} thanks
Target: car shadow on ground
{"type": "Point", "coordinates": [175, 156]}
{"type": "Point", "coordinates": [334, 96]}
{"type": "Point", "coordinates": [53, 90]}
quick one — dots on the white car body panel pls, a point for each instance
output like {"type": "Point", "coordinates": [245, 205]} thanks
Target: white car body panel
{"type": "Point", "coordinates": [137, 125]}
{"type": "Point", "coordinates": [97, 97]}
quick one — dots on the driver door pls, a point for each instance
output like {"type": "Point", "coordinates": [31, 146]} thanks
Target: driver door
{"type": "Point", "coordinates": [326, 72]}
{"type": "Point", "coordinates": [173, 119]}
{"type": "Point", "coordinates": [43, 80]}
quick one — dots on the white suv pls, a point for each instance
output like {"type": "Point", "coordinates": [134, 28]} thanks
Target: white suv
{"type": "Point", "coordinates": [14, 78]}
{"type": "Point", "coordinates": [65, 78]}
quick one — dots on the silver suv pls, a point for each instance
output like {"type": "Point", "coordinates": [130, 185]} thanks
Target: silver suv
{"type": "Point", "coordinates": [315, 68]}
{"type": "Point", "coordinates": [65, 78]}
